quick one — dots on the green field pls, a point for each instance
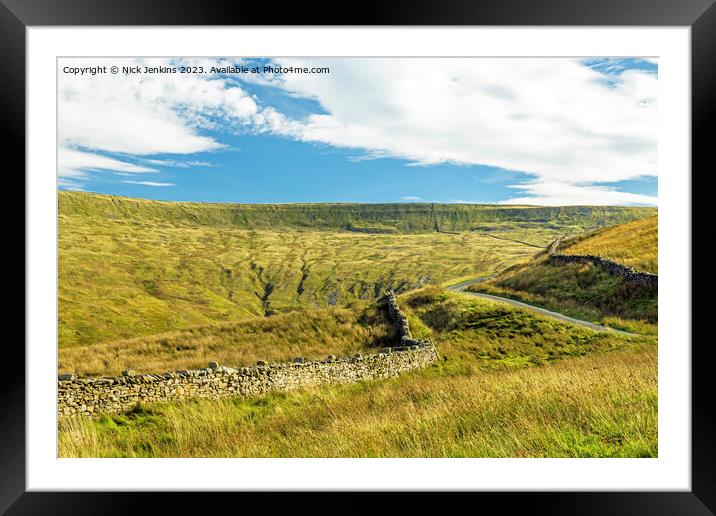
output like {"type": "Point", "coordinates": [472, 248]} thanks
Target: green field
{"type": "Point", "coordinates": [403, 218]}
{"type": "Point", "coordinates": [156, 286]}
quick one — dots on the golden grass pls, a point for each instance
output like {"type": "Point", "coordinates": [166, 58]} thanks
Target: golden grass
{"type": "Point", "coordinates": [310, 333]}
{"type": "Point", "coordinates": [634, 244]}
{"type": "Point", "coordinates": [603, 405]}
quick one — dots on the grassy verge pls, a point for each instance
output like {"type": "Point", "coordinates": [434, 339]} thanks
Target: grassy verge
{"type": "Point", "coordinates": [495, 335]}
{"type": "Point", "coordinates": [583, 291]}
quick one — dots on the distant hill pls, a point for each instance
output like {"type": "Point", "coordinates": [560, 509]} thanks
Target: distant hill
{"type": "Point", "coordinates": [383, 218]}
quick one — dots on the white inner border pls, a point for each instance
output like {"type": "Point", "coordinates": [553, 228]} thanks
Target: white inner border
{"type": "Point", "coordinates": [670, 471]}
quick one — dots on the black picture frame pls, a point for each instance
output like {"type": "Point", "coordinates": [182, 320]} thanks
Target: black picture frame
{"type": "Point", "coordinates": [17, 15]}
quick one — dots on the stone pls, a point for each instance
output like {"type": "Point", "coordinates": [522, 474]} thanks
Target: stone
{"type": "Point", "coordinates": [260, 362]}
{"type": "Point", "coordinates": [129, 372]}
{"type": "Point", "coordinates": [331, 357]}
{"type": "Point", "coordinates": [298, 360]}
{"type": "Point", "coordinates": [67, 377]}
{"type": "Point", "coordinates": [213, 365]}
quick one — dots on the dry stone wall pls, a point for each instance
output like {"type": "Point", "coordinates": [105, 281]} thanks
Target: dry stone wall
{"type": "Point", "coordinates": [92, 396]}
{"type": "Point", "coordinates": [629, 274]}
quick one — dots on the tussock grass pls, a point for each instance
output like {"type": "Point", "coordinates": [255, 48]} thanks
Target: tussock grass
{"type": "Point", "coordinates": [310, 333]}
{"type": "Point", "coordinates": [604, 405]}
{"type": "Point", "coordinates": [634, 244]}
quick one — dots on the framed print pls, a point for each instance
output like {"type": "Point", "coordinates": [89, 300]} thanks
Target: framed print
{"type": "Point", "coordinates": [417, 250]}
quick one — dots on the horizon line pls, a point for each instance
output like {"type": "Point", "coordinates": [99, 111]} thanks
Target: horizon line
{"type": "Point", "coordinates": [446, 203]}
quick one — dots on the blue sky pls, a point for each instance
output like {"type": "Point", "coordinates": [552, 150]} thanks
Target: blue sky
{"type": "Point", "coordinates": [370, 131]}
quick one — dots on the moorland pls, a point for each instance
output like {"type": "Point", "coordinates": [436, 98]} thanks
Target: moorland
{"type": "Point", "coordinates": [158, 286]}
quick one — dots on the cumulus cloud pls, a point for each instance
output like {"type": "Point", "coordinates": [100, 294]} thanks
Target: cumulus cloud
{"type": "Point", "coordinates": [142, 114]}
{"type": "Point", "coordinates": [557, 119]}
{"type": "Point", "coordinates": [566, 123]}
{"type": "Point", "coordinates": [564, 194]}
{"type": "Point", "coordinates": [75, 164]}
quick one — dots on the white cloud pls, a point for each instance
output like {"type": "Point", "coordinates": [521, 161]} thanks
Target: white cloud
{"type": "Point", "coordinates": [177, 163]}
{"type": "Point", "coordinates": [555, 118]}
{"type": "Point", "coordinates": [142, 114]}
{"type": "Point", "coordinates": [75, 164]}
{"type": "Point", "coordinates": [148, 183]}
{"type": "Point", "coordinates": [411, 198]}
{"type": "Point", "coordinates": [562, 194]}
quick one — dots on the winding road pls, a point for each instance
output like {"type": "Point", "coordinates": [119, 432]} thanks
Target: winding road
{"type": "Point", "coordinates": [460, 287]}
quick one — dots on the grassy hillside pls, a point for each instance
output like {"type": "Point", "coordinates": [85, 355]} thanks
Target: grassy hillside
{"type": "Point", "coordinates": [634, 244]}
{"type": "Point", "coordinates": [131, 267]}
{"type": "Point", "coordinates": [586, 291]}
{"type": "Point", "coordinates": [510, 384]}
{"type": "Point", "coordinates": [126, 278]}
{"type": "Point", "coordinates": [312, 334]}
{"type": "Point", "coordinates": [360, 217]}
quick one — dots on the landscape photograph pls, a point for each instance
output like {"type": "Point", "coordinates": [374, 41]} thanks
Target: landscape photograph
{"type": "Point", "coordinates": [357, 257]}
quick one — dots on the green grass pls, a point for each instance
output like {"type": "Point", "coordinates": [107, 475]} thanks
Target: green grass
{"type": "Point", "coordinates": [158, 286]}
{"type": "Point", "coordinates": [583, 291]}
{"type": "Point", "coordinates": [130, 267]}
{"type": "Point", "coordinates": [121, 279]}
{"type": "Point", "coordinates": [493, 335]}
